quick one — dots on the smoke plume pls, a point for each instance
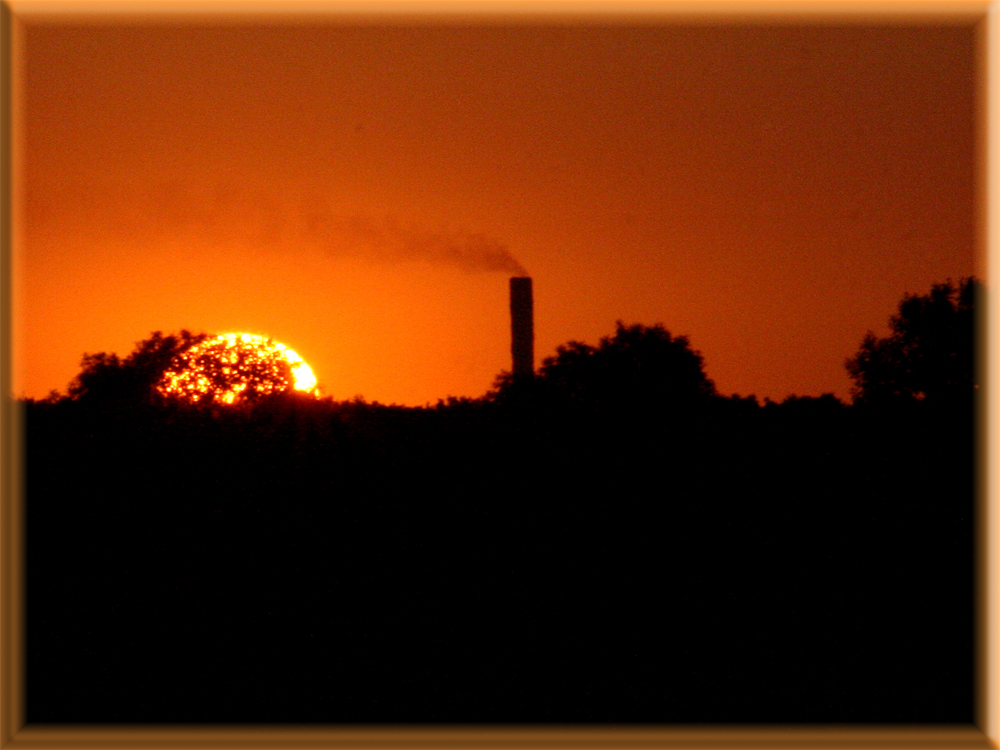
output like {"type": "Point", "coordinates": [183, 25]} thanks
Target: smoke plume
{"type": "Point", "coordinates": [228, 216]}
{"type": "Point", "coordinates": [388, 241]}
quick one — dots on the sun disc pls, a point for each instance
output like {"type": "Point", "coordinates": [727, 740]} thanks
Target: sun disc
{"type": "Point", "coordinates": [233, 367]}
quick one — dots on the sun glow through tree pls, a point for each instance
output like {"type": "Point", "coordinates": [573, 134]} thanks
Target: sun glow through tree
{"type": "Point", "coordinates": [235, 367]}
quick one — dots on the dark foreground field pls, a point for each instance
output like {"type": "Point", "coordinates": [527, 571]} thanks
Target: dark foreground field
{"type": "Point", "coordinates": [481, 562]}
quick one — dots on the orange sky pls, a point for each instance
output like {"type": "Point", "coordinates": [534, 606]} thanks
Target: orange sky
{"type": "Point", "coordinates": [351, 190]}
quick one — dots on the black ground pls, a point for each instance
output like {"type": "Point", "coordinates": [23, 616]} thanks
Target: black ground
{"type": "Point", "coordinates": [483, 562]}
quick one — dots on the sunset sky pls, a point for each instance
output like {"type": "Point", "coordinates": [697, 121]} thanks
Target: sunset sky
{"type": "Point", "coordinates": [361, 190]}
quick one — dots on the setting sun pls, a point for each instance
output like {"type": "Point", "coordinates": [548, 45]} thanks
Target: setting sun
{"type": "Point", "coordinates": [234, 367]}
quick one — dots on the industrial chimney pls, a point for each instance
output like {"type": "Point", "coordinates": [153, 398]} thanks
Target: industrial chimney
{"type": "Point", "coordinates": [522, 327]}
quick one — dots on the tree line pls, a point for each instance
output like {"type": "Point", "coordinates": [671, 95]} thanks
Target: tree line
{"type": "Point", "coordinates": [611, 540]}
{"type": "Point", "coordinates": [929, 355]}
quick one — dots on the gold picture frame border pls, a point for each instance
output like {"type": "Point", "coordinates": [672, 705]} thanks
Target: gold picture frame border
{"type": "Point", "coordinates": [984, 732]}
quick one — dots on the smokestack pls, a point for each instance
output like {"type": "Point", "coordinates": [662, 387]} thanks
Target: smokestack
{"type": "Point", "coordinates": [522, 326]}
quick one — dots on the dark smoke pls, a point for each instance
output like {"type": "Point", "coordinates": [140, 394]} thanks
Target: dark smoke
{"type": "Point", "coordinates": [228, 216]}
{"type": "Point", "coordinates": [387, 241]}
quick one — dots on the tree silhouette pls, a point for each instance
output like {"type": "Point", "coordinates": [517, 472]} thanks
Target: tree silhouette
{"type": "Point", "coordinates": [229, 368]}
{"type": "Point", "coordinates": [105, 377]}
{"type": "Point", "coordinates": [640, 366]}
{"type": "Point", "coordinates": [929, 354]}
